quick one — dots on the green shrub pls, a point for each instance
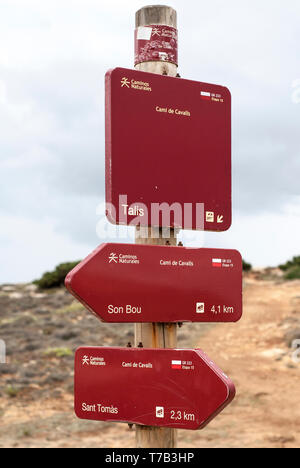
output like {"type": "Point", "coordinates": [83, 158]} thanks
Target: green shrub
{"type": "Point", "coordinates": [246, 266]}
{"type": "Point", "coordinates": [58, 352]}
{"type": "Point", "coordinates": [56, 278]}
{"type": "Point", "coordinates": [295, 262]}
{"type": "Point", "coordinates": [291, 268]}
{"type": "Point", "coordinates": [11, 391]}
{"type": "Point", "coordinates": [293, 273]}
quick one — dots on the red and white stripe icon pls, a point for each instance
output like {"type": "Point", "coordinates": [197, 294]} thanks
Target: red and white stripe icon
{"type": "Point", "coordinates": [205, 95]}
{"type": "Point", "coordinates": [176, 364]}
{"type": "Point", "coordinates": [217, 262]}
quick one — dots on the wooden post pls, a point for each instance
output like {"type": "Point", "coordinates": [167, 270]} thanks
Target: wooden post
{"type": "Point", "coordinates": [156, 335]}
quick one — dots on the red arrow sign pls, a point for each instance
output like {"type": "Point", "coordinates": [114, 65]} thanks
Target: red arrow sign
{"type": "Point", "coordinates": [154, 387]}
{"type": "Point", "coordinates": [144, 283]}
{"type": "Point", "coordinates": [168, 151]}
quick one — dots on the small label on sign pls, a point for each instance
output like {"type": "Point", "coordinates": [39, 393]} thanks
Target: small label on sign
{"type": "Point", "coordinates": [144, 33]}
{"type": "Point", "coordinates": [200, 308]}
{"type": "Point", "coordinates": [160, 412]}
{"type": "Point", "coordinates": [210, 217]}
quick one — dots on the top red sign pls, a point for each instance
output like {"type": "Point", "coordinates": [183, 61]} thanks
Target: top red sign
{"type": "Point", "coordinates": [168, 151]}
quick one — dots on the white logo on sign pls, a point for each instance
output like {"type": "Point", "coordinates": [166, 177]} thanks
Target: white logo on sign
{"type": "Point", "coordinates": [85, 361]}
{"type": "Point", "coordinates": [220, 219]}
{"type": "Point", "coordinates": [160, 412]}
{"type": "Point", "coordinates": [210, 216]}
{"type": "Point", "coordinates": [155, 32]}
{"type": "Point", "coordinates": [113, 258]}
{"type": "Point", "coordinates": [200, 308]}
{"type": "Point", "coordinates": [125, 82]}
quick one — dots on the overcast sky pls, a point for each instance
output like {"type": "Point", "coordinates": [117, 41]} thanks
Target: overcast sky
{"type": "Point", "coordinates": [53, 57]}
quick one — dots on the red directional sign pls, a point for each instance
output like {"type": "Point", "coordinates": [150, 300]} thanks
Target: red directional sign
{"type": "Point", "coordinates": [154, 387]}
{"type": "Point", "coordinates": [168, 151]}
{"type": "Point", "coordinates": [145, 283]}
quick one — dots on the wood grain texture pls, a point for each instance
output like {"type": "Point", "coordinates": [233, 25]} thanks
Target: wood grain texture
{"type": "Point", "coordinates": [155, 437]}
{"type": "Point", "coordinates": [156, 14]}
{"type": "Point", "coordinates": [156, 335]}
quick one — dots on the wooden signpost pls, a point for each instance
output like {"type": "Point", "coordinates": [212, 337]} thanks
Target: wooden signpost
{"type": "Point", "coordinates": [156, 284]}
{"type": "Point", "coordinates": [156, 335]}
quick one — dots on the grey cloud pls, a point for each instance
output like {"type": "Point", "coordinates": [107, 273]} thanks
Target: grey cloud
{"type": "Point", "coordinates": [61, 135]}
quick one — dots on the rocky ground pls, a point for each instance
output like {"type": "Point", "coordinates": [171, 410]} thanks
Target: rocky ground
{"type": "Point", "coordinates": [42, 331]}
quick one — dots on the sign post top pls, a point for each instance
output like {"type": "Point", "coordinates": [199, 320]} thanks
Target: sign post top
{"type": "Point", "coordinates": [156, 14]}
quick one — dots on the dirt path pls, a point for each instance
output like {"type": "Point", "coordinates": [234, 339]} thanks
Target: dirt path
{"type": "Point", "coordinates": [42, 332]}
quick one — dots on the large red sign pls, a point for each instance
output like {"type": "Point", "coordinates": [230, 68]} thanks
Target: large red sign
{"type": "Point", "coordinates": [168, 151]}
{"type": "Point", "coordinates": [154, 387]}
{"type": "Point", "coordinates": [145, 283]}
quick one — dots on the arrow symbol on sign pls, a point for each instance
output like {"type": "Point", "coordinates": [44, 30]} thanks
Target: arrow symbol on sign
{"type": "Point", "coordinates": [220, 218]}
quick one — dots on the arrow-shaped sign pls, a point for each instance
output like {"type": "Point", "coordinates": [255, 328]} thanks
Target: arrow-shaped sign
{"type": "Point", "coordinates": [154, 387]}
{"type": "Point", "coordinates": [144, 283]}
